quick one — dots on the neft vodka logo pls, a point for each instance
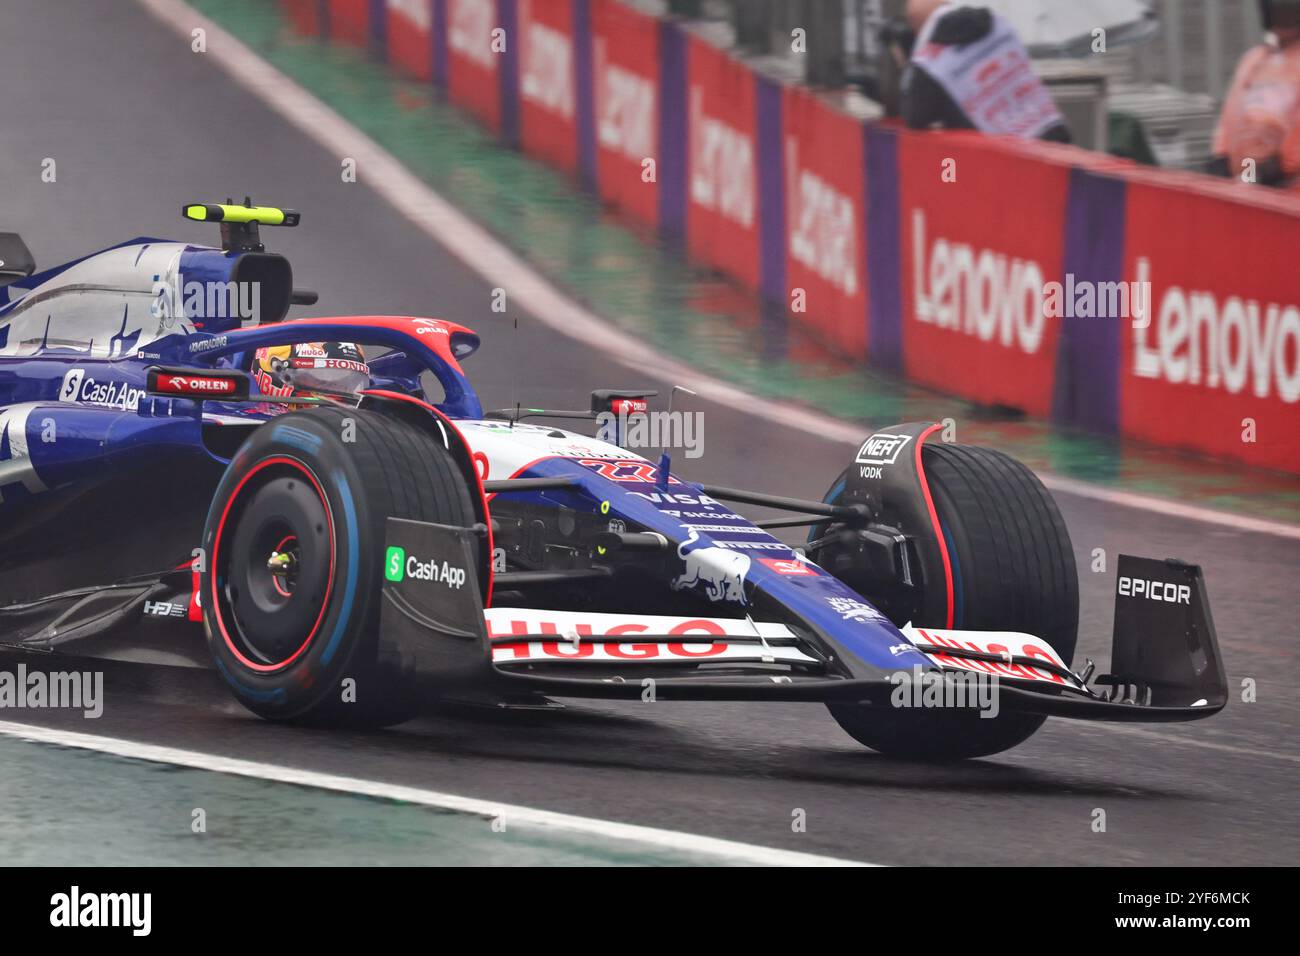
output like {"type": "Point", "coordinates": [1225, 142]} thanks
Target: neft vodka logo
{"type": "Point", "coordinates": [977, 292]}
{"type": "Point", "coordinates": [470, 29]}
{"type": "Point", "coordinates": [1231, 345]}
{"type": "Point", "coordinates": [722, 165]}
{"type": "Point", "coordinates": [882, 449]}
{"type": "Point", "coordinates": [823, 236]}
{"type": "Point", "coordinates": [74, 909]}
{"type": "Point", "coordinates": [546, 69]}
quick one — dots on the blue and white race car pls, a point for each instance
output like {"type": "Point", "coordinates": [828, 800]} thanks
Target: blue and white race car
{"type": "Point", "coordinates": [326, 501]}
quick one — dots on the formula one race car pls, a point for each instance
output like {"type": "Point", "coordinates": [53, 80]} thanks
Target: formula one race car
{"type": "Point", "coordinates": [358, 539]}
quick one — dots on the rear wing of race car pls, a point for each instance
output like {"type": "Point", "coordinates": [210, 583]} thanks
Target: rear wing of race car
{"type": "Point", "coordinates": [1166, 664]}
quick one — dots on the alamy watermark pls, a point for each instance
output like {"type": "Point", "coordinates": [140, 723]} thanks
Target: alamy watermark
{"type": "Point", "coordinates": [54, 690]}
{"type": "Point", "coordinates": [73, 909]}
{"type": "Point", "coordinates": [666, 430]}
{"type": "Point", "coordinates": [1084, 299]}
{"type": "Point", "coordinates": [242, 300]}
{"type": "Point", "coordinates": [925, 690]}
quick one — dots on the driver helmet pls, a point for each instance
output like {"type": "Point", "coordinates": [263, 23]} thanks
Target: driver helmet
{"type": "Point", "coordinates": [312, 370]}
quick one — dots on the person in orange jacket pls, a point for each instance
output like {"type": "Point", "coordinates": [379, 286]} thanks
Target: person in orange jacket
{"type": "Point", "coordinates": [1258, 137]}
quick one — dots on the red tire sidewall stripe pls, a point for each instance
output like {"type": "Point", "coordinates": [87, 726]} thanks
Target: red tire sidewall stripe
{"type": "Point", "coordinates": [934, 522]}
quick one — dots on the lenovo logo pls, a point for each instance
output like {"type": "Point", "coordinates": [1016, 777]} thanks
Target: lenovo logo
{"type": "Point", "coordinates": [546, 74]}
{"type": "Point", "coordinates": [977, 292]}
{"type": "Point", "coordinates": [1233, 344]}
{"type": "Point", "coordinates": [722, 165]}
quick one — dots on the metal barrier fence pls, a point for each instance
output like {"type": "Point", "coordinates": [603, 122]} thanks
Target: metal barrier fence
{"type": "Point", "coordinates": [1195, 51]}
{"type": "Point", "coordinates": [1172, 83]}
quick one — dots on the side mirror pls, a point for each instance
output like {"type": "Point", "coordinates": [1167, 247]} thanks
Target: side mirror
{"type": "Point", "coordinates": [16, 260]}
{"type": "Point", "coordinates": [617, 400]}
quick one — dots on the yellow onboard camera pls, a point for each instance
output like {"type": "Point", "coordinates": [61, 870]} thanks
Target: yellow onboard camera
{"type": "Point", "coordinates": [239, 223]}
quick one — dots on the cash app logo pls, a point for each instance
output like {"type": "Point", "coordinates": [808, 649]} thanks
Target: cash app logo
{"type": "Point", "coordinates": [395, 564]}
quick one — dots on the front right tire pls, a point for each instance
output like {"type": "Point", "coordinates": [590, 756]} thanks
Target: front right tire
{"type": "Point", "coordinates": [1013, 570]}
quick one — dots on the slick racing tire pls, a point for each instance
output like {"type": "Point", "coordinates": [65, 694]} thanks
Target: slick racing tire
{"type": "Point", "coordinates": [1013, 570]}
{"type": "Point", "coordinates": [318, 486]}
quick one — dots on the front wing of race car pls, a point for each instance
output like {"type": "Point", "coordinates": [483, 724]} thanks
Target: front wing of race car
{"type": "Point", "coordinates": [1165, 660]}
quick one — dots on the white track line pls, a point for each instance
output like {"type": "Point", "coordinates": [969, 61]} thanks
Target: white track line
{"type": "Point", "coordinates": [511, 815]}
{"type": "Point", "coordinates": [1174, 509]}
{"type": "Point", "coordinates": [492, 260]}
{"type": "Point", "coordinates": [1233, 749]}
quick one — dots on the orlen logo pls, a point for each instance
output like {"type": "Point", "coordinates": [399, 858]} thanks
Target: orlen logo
{"type": "Point", "coordinates": [205, 384]}
{"type": "Point", "coordinates": [546, 69]}
{"type": "Point", "coordinates": [470, 29]}
{"type": "Point", "coordinates": [629, 406]}
{"type": "Point", "coordinates": [822, 232]}
{"type": "Point", "coordinates": [169, 384]}
{"type": "Point", "coordinates": [1229, 345]}
{"type": "Point", "coordinates": [722, 165]}
{"type": "Point", "coordinates": [627, 112]}
{"type": "Point", "coordinates": [1165, 591]}
{"type": "Point", "coordinates": [882, 449]}
{"type": "Point", "coordinates": [978, 293]}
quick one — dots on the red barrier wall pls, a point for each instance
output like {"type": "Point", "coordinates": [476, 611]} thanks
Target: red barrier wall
{"type": "Point", "coordinates": [471, 65]}
{"type": "Point", "coordinates": [350, 21]}
{"type": "Point", "coordinates": [722, 163]}
{"type": "Point", "coordinates": [410, 48]}
{"type": "Point", "coordinates": [625, 67]}
{"type": "Point", "coordinates": [1223, 343]}
{"type": "Point", "coordinates": [304, 16]}
{"type": "Point", "coordinates": [547, 82]}
{"type": "Point", "coordinates": [975, 255]}
{"type": "Point", "coordinates": [825, 196]}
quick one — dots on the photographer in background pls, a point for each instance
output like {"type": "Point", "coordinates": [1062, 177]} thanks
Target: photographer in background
{"type": "Point", "coordinates": [963, 67]}
{"type": "Point", "coordinates": [1260, 121]}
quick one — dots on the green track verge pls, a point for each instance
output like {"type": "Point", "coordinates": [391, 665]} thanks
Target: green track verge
{"type": "Point", "coordinates": [67, 807]}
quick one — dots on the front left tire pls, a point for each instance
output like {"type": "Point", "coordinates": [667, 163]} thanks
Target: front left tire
{"type": "Point", "coordinates": [293, 548]}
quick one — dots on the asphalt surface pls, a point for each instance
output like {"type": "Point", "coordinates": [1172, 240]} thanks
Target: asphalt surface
{"type": "Point", "coordinates": [138, 124]}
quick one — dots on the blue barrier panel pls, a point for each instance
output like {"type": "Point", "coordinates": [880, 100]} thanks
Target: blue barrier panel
{"type": "Point", "coordinates": [438, 37]}
{"type": "Point", "coordinates": [671, 167]}
{"type": "Point", "coordinates": [883, 235]}
{"type": "Point", "coordinates": [1086, 389]}
{"type": "Point", "coordinates": [379, 29]}
{"type": "Point", "coordinates": [771, 192]}
{"type": "Point", "coordinates": [586, 105]}
{"type": "Point", "coordinates": [508, 75]}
